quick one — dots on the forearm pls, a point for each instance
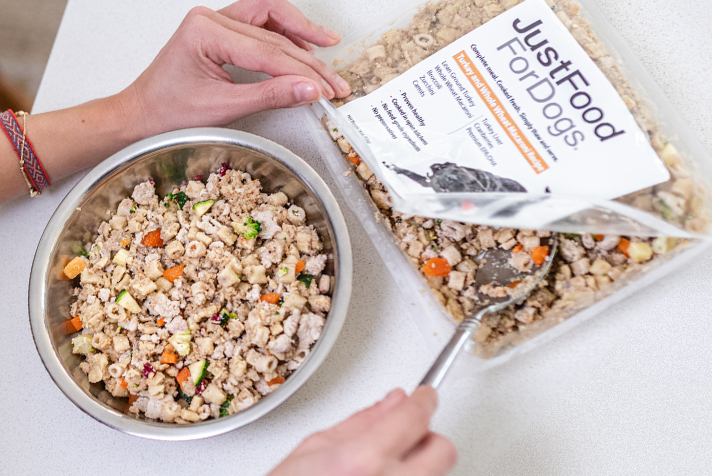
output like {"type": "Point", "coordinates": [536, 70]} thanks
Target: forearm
{"type": "Point", "coordinates": [187, 86]}
{"type": "Point", "coordinates": [69, 140]}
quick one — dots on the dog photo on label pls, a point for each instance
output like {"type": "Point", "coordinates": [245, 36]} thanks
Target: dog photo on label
{"type": "Point", "coordinates": [450, 177]}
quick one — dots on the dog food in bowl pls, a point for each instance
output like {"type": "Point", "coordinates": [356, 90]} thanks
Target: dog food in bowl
{"type": "Point", "coordinates": [198, 304]}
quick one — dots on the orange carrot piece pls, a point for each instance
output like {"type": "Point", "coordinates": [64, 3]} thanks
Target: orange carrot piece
{"type": "Point", "coordinates": [299, 267]}
{"type": "Point", "coordinates": [169, 355]}
{"type": "Point", "coordinates": [153, 239]}
{"type": "Point", "coordinates": [173, 273]}
{"type": "Point", "coordinates": [272, 298]}
{"type": "Point", "coordinates": [125, 242]}
{"type": "Point", "coordinates": [437, 267]}
{"type": "Point", "coordinates": [539, 255]}
{"type": "Point", "coordinates": [72, 325]}
{"type": "Point", "coordinates": [74, 268]}
{"type": "Point", "coordinates": [599, 237]}
{"type": "Point", "coordinates": [623, 247]}
{"type": "Point", "coordinates": [517, 248]}
{"type": "Point", "coordinates": [515, 284]}
{"type": "Point", "coordinates": [276, 380]}
{"type": "Point", "coordinates": [183, 376]}
{"type": "Point", "coordinates": [132, 399]}
{"type": "Point", "coordinates": [123, 383]}
{"type": "Point", "coordinates": [356, 160]}
{"type": "Point", "coordinates": [160, 322]}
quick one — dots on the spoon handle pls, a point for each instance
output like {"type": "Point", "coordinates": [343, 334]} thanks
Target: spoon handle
{"type": "Point", "coordinates": [442, 364]}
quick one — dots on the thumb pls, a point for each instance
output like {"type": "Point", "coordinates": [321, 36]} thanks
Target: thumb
{"type": "Point", "coordinates": [275, 93]}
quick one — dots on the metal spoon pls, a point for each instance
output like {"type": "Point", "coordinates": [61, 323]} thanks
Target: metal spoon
{"type": "Point", "coordinates": [495, 270]}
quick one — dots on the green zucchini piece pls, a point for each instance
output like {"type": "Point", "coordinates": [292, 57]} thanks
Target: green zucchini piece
{"type": "Point", "coordinates": [198, 371]}
{"type": "Point", "coordinates": [201, 208]}
{"type": "Point", "coordinates": [126, 300]}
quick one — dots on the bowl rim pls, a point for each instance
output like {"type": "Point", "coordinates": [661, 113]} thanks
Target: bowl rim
{"type": "Point", "coordinates": [55, 226]}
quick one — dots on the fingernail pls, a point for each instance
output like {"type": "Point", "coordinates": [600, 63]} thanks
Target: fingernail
{"type": "Point", "coordinates": [306, 93]}
{"type": "Point", "coordinates": [393, 398]}
{"type": "Point", "coordinates": [331, 33]}
{"type": "Point", "coordinates": [343, 84]}
{"type": "Point", "coordinates": [327, 87]}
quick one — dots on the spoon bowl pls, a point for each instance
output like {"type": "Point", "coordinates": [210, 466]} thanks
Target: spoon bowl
{"type": "Point", "coordinates": [499, 285]}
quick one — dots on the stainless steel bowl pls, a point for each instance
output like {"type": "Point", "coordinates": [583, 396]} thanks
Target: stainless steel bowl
{"type": "Point", "coordinates": [169, 159]}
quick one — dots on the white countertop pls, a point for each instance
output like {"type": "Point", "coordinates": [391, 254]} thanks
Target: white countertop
{"type": "Point", "coordinates": [628, 392]}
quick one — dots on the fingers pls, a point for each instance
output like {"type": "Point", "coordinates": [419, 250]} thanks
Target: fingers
{"type": "Point", "coordinates": [360, 422]}
{"type": "Point", "coordinates": [403, 427]}
{"type": "Point", "coordinates": [297, 49]}
{"type": "Point", "coordinates": [223, 46]}
{"type": "Point", "coordinates": [390, 437]}
{"type": "Point", "coordinates": [333, 84]}
{"type": "Point", "coordinates": [355, 426]}
{"type": "Point", "coordinates": [275, 93]}
{"type": "Point", "coordinates": [284, 14]}
{"type": "Point", "coordinates": [279, 30]}
{"type": "Point", "coordinates": [434, 456]}
{"type": "Point", "coordinates": [305, 45]}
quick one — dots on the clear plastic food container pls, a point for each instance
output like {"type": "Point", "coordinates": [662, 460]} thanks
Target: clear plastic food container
{"type": "Point", "coordinates": [432, 318]}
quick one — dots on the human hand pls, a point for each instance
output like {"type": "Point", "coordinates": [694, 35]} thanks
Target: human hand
{"type": "Point", "coordinates": [186, 85]}
{"type": "Point", "coordinates": [391, 438]}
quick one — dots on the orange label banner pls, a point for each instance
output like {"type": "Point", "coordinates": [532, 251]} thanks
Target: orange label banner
{"type": "Point", "coordinates": [500, 114]}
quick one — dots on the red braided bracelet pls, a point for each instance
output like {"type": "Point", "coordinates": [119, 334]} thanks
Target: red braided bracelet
{"type": "Point", "coordinates": [30, 165]}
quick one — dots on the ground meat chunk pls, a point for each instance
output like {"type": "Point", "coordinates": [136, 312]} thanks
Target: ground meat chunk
{"type": "Point", "coordinates": [453, 230]}
{"type": "Point", "coordinates": [522, 262]}
{"type": "Point", "coordinates": [320, 303]}
{"type": "Point", "coordinates": [608, 242]}
{"type": "Point", "coordinates": [268, 222]}
{"type": "Point", "coordinates": [504, 235]}
{"type": "Point", "coordinates": [310, 327]}
{"type": "Point", "coordinates": [272, 253]}
{"type": "Point", "coordinates": [570, 250]}
{"type": "Point", "coordinates": [124, 209]}
{"type": "Point", "coordinates": [281, 344]}
{"type": "Point", "coordinates": [486, 238]}
{"type": "Point", "coordinates": [143, 193]}
{"type": "Point", "coordinates": [588, 241]}
{"type": "Point", "coordinates": [581, 267]}
{"type": "Point", "coordinates": [452, 255]}
{"type": "Point", "coordinates": [599, 267]}
{"type": "Point", "coordinates": [164, 307]}
{"type": "Point", "coordinates": [315, 265]}
{"type": "Point", "coordinates": [530, 243]}
{"type": "Point", "coordinates": [193, 189]}
{"type": "Point", "coordinates": [456, 280]}
{"type": "Point", "coordinates": [525, 315]}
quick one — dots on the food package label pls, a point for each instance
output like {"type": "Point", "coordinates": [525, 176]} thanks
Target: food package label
{"type": "Point", "coordinates": [516, 105]}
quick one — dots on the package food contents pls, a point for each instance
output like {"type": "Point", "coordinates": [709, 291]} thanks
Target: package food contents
{"type": "Point", "coordinates": [588, 266]}
{"type": "Point", "coordinates": [200, 304]}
